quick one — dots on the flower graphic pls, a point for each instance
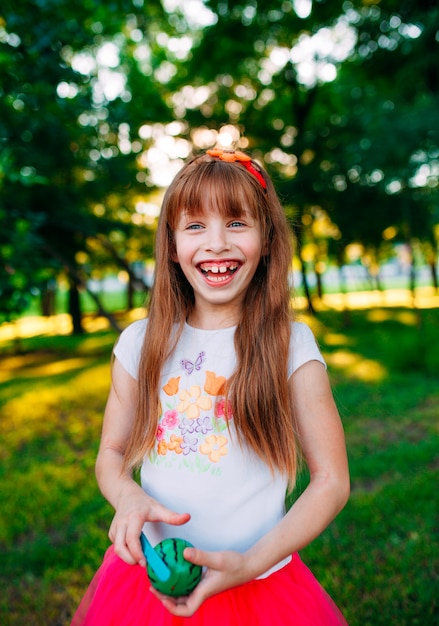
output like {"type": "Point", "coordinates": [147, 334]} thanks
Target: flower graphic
{"type": "Point", "coordinates": [175, 444]}
{"type": "Point", "coordinates": [189, 444]}
{"type": "Point", "coordinates": [162, 448]}
{"type": "Point", "coordinates": [171, 386]}
{"type": "Point", "coordinates": [170, 419]}
{"type": "Point", "coordinates": [160, 433]}
{"type": "Point", "coordinates": [214, 385]}
{"type": "Point", "coordinates": [186, 426]}
{"type": "Point", "coordinates": [203, 426]}
{"type": "Point", "coordinates": [214, 446]}
{"type": "Point", "coordinates": [220, 409]}
{"type": "Point", "coordinates": [192, 402]}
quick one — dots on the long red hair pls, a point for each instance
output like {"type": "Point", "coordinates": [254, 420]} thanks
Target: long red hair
{"type": "Point", "coordinates": [258, 389]}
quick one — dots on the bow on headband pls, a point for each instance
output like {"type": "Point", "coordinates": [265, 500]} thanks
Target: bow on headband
{"type": "Point", "coordinates": [232, 156]}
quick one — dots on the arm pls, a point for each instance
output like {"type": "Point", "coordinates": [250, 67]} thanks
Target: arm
{"type": "Point", "coordinates": [133, 507]}
{"type": "Point", "coordinates": [323, 444]}
{"type": "Point", "coordinates": [322, 440]}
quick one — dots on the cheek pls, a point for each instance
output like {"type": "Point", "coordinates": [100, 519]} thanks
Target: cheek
{"type": "Point", "coordinates": [181, 252]}
{"type": "Point", "coordinates": [258, 249]}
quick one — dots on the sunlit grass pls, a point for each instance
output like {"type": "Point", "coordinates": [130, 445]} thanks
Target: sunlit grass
{"type": "Point", "coordinates": [409, 318]}
{"type": "Point", "coordinates": [425, 297]}
{"type": "Point", "coordinates": [38, 412]}
{"type": "Point", "coordinates": [363, 369]}
{"type": "Point", "coordinates": [53, 521]}
{"type": "Point", "coordinates": [379, 559]}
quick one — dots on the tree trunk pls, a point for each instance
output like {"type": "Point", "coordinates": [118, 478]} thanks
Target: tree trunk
{"type": "Point", "coordinates": [75, 309]}
{"type": "Point", "coordinates": [432, 263]}
{"type": "Point", "coordinates": [48, 299]}
{"type": "Point", "coordinates": [78, 280]}
{"type": "Point", "coordinates": [130, 292]}
{"type": "Point", "coordinates": [379, 286]}
{"type": "Point", "coordinates": [412, 278]}
{"type": "Point", "coordinates": [346, 315]}
{"type": "Point", "coordinates": [376, 280]}
{"type": "Point", "coordinates": [306, 289]}
{"type": "Point", "coordinates": [319, 281]}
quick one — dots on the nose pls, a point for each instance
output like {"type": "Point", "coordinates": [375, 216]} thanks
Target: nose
{"type": "Point", "coordinates": [217, 240]}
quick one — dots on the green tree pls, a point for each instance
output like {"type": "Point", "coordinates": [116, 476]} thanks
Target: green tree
{"type": "Point", "coordinates": [350, 141]}
{"type": "Point", "coordinates": [94, 95]}
{"type": "Point", "coordinates": [65, 175]}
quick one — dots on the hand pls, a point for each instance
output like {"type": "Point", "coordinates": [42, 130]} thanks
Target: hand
{"type": "Point", "coordinates": [224, 571]}
{"type": "Point", "coordinates": [134, 508]}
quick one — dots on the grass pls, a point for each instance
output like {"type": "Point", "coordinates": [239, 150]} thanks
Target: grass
{"type": "Point", "coordinates": [379, 559]}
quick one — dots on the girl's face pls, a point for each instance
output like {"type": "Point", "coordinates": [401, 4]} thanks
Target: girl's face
{"type": "Point", "coordinates": [219, 255]}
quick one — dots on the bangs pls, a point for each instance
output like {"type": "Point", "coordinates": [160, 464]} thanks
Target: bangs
{"type": "Point", "coordinates": [212, 185]}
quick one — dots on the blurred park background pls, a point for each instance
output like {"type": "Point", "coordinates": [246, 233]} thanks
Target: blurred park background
{"type": "Point", "coordinates": [100, 103]}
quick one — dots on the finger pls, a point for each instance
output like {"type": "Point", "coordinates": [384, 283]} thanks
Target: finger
{"type": "Point", "coordinates": [126, 541]}
{"type": "Point", "coordinates": [112, 532]}
{"type": "Point", "coordinates": [135, 547]}
{"type": "Point", "coordinates": [211, 560]}
{"type": "Point", "coordinates": [134, 529]}
{"type": "Point", "coordinates": [162, 514]}
{"type": "Point", "coordinates": [184, 606]}
{"type": "Point", "coordinates": [121, 548]}
{"type": "Point", "coordinates": [196, 556]}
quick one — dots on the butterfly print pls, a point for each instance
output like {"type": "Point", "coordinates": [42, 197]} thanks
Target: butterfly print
{"type": "Point", "coordinates": [189, 366]}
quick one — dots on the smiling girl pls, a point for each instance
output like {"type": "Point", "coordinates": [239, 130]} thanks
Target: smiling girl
{"type": "Point", "coordinates": [217, 396]}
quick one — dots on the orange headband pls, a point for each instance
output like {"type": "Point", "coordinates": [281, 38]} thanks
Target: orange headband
{"type": "Point", "coordinates": [232, 156]}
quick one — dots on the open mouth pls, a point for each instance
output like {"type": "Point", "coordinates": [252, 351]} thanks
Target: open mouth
{"type": "Point", "coordinates": [218, 272]}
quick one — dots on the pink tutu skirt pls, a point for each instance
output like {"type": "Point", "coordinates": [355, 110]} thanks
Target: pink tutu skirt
{"type": "Point", "coordinates": [119, 596]}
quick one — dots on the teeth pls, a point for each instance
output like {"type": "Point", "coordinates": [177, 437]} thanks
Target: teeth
{"type": "Point", "coordinates": [222, 269]}
{"type": "Point", "coordinates": [217, 269]}
{"type": "Point", "coordinates": [218, 279]}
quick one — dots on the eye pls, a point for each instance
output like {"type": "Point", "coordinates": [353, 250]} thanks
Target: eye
{"type": "Point", "coordinates": [237, 224]}
{"type": "Point", "coordinates": [194, 226]}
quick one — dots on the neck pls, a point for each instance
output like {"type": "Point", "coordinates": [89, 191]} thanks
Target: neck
{"type": "Point", "coordinates": [213, 320]}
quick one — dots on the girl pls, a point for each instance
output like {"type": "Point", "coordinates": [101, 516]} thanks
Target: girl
{"type": "Point", "coordinates": [217, 395]}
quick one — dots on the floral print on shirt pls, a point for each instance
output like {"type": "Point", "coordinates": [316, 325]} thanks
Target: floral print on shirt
{"type": "Point", "coordinates": [193, 425]}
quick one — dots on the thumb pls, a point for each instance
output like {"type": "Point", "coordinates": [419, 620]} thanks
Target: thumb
{"type": "Point", "coordinates": [200, 557]}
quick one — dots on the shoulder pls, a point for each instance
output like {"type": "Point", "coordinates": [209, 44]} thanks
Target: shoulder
{"type": "Point", "coordinates": [301, 332]}
{"type": "Point", "coordinates": [303, 347]}
{"type": "Point", "coordinates": [129, 345]}
{"type": "Point", "coordinates": [136, 330]}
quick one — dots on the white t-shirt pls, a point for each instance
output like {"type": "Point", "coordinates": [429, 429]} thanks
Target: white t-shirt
{"type": "Point", "coordinates": [197, 466]}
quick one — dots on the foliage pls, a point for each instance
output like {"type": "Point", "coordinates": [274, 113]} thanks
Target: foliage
{"type": "Point", "coordinates": [51, 180]}
{"type": "Point", "coordinates": [351, 147]}
{"type": "Point", "coordinates": [379, 558]}
{"type": "Point", "coordinates": [94, 96]}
